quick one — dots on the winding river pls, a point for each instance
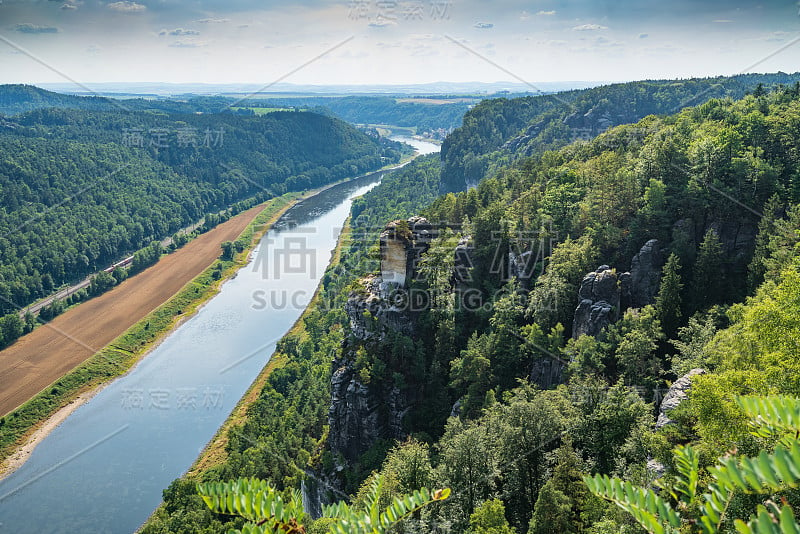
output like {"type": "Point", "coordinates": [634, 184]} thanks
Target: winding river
{"type": "Point", "coordinates": [104, 468]}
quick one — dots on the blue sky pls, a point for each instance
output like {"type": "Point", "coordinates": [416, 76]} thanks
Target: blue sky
{"type": "Point", "coordinates": [391, 41]}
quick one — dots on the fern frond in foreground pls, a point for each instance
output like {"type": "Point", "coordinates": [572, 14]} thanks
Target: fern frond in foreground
{"type": "Point", "coordinates": [268, 512]}
{"type": "Point", "coordinates": [765, 474]}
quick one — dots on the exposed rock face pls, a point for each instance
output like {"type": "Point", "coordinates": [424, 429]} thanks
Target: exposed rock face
{"type": "Point", "coordinates": [737, 236]}
{"type": "Point", "coordinates": [359, 416]}
{"type": "Point", "coordinates": [386, 306]}
{"type": "Point", "coordinates": [604, 294]}
{"type": "Point", "coordinates": [640, 286]}
{"type": "Point", "coordinates": [548, 371]}
{"type": "Point", "coordinates": [523, 267]}
{"type": "Point", "coordinates": [463, 262]}
{"type": "Point", "coordinates": [402, 244]}
{"type": "Point", "coordinates": [362, 413]}
{"type": "Point", "coordinates": [599, 301]}
{"type": "Point", "coordinates": [677, 393]}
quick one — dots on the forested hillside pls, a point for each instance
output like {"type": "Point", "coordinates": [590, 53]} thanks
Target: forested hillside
{"type": "Point", "coordinates": [81, 188]}
{"type": "Point", "coordinates": [565, 297]}
{"type": "Point", "coordinates": [379, 110]}
{"type": "Point", "coordinates": [499, 131]}
{"type": "Point", "coordinates": [422, 115]}
{"type": "Point", "coordinates": [715, 186]}
{"type": "Point", "coordinates": [17, 99]}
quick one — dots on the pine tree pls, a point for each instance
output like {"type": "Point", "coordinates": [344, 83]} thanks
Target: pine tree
{"type": "Point", "coordinates": [766, 228]}
{"type": "Point", "coordinates": [668, 300]}
{"type": "Point", "coordinates": [552, 512]}
{"type": "Point", "coordinates": [707, 282]}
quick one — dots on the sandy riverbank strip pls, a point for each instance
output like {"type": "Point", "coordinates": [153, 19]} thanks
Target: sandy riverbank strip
{"type": "Point", "coordinates": [42, 429]}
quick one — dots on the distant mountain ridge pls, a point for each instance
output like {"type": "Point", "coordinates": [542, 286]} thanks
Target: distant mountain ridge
{"type": "Point", "coordinates": [499, 131]}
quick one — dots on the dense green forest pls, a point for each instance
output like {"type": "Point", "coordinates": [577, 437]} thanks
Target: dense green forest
{"type": "Point", "coordinates": [499, 131]}
{"type": "Point", "coordinates": [715, 184]}
{"type": "Point", "coordinates": [424, 116]}
{"type": "Point", "coordinates": [17, 99]}
{"type": "Point", "coordinates": [81, 189]}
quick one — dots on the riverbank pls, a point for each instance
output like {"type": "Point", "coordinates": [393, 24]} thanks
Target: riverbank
{"type": "Point", "coordinates": [26, 426]}
{"type": "Point", "coordinates": [213, 453]}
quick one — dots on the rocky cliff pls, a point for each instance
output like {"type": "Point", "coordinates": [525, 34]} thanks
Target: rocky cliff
{"type": "Point", "coordinates": [604, 294]}
{"type": "Point", "coordinates": [361, 411]}
{"type": "Point", "coordinates": [598, 302]}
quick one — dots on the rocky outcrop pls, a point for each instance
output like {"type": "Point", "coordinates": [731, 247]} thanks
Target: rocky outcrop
{"type": "Point", "coordinates": [640, 286]}
{"type": "Point", "coordinates": [737, 236]}
{"type": "Point", "coordinates": [359, 415]}
{"type": "Point", "coordinates": [599, 302]}
{"type": "Point", "coordinates": [604, 294]}
{"type": "Point", "coordinates": [362, 412]}
{"type": "Point", "coordinates": [462, 264]}
{"type": "Point", "coordinates": [547, 371]}
{"type": "Point", "coordinates": [402, 243]}
{"type": "Point", "coordinates": [678, 392]}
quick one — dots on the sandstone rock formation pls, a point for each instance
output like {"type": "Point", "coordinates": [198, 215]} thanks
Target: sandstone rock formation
{"type": "Point", "coordinates": [677, 393]}
{"type": "Point", "coordinates": [362, 413]}
{"type": "Point", "coordinates": [599, 302]}
{"type": "Point", "coordinates": [640, 285]}
{"type": "Point", "coordinates": [402, 244]}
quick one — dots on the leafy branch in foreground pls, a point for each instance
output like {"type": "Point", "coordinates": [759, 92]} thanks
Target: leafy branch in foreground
{"type": "Point", "coordinates": [765, 474]}
{"type": "Point", "coordinates": [268, 512]}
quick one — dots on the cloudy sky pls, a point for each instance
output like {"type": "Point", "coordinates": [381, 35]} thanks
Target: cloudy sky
{"type": "Point", "coordinates": [392, 41]}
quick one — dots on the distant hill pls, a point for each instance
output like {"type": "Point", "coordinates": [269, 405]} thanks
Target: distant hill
{"type": "Point", "coordinates": [79, 188]}
{"type": "Point", "coordinates": [499, 131]}
{"type": "Point", "coordinates": [15, 99]}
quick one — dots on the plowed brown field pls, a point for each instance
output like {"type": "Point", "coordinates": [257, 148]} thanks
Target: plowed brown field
{"type": "Point", "coordinates": [49, 352]}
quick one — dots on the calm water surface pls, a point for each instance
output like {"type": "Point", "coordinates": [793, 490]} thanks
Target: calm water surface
{"type": "Point", "coordinates": [104, 468]}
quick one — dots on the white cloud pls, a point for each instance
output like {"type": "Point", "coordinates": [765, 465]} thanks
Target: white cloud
{"type": "Point", "coordinates": [68, 6]}
{"type": "Point", "coordinates": [722, 21]}
{"type": "Point", "coordinates": [484, 25]}
{"type": "Point", "coordinates": [35, 28]}
{"type": "Point", "coordinates": [178, 32]}
{"type": "Point", "coordinates": [126, 6]}
{"type": "Point", "coordinates": [589, 27]}
{"type": "Point", "coordinates": [382, 23]}
{"type": "Point", "coordinates": [546, 13]}
{"type": "Point", "coordinates": [212, 21]}
{"type": "Point", "coordinates": [185, 43]}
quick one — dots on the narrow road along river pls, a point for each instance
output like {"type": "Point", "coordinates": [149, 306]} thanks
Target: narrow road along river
{"type": "Point", "coordinates": [104, 468]}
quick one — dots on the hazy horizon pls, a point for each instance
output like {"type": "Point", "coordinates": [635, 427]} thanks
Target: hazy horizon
{"type": "Point", "coordinates": [388, 42]}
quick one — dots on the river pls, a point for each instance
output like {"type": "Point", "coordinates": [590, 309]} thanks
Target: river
{"type": "Point", "coordinates": [104, 468]}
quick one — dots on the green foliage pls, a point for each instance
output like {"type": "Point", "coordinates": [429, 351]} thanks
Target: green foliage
{"type": "Point", "coordinates": [490, 134]}
{"type": "Point", "coordinates": [269, 512]}
{"type": "Point", "coordinates": [552, 512]}
{"type": "Point", "coordinates": [257, 502]}
{"type": "Point", "coordinates": [707, 282]}
{"type": "Point", "coordinates": [79, 194]}
{"type": "Point", "coordinates": [765, 474]}
{"type": "Point", "coordinates": [668, 301]}
{"type": "Point", "coordinates": [489, 518]}
{"type": "Point", "coordinates": [651, 511]}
